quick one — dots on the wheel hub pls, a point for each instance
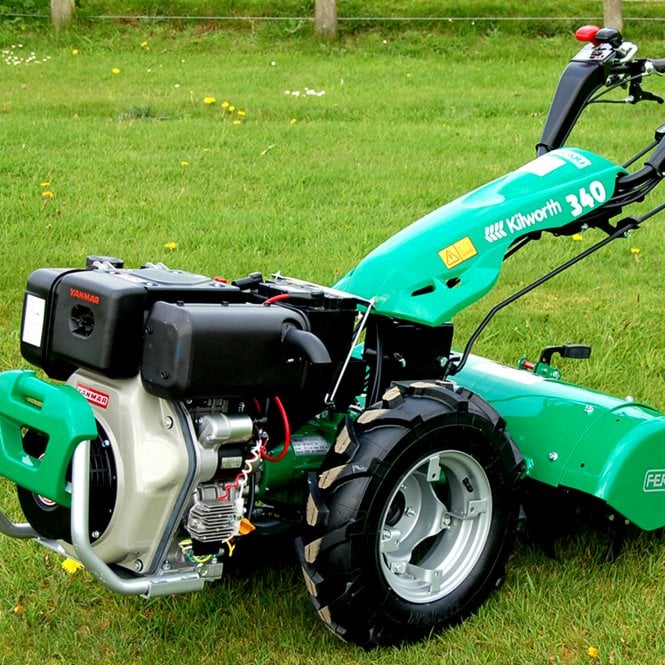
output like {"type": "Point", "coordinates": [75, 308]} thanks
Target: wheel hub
{"type": "Point", "coordinates": [435, 526]}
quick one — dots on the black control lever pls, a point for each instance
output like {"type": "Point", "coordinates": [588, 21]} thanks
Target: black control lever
{"type": "Point", "coordinates": [637, 94]}
{"type": "Point", "coordinates": [580, 351]}
{"type": "Point", "coordinates": [609, 36]}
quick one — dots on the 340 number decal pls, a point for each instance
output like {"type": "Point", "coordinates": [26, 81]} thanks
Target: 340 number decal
{"type": "Point", "coordinates": [587, 198]}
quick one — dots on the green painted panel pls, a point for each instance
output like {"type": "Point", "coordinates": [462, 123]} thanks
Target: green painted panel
{"type": "Point", "coordinates": [578, 438]}
{"type": "Point", "coordinates": [447, 260]}
{"type": "Point", "coordinates": [60, 412]}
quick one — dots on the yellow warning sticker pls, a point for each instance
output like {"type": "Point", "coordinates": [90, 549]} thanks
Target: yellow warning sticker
{"type": "Point", "coordinates": [458, 252]}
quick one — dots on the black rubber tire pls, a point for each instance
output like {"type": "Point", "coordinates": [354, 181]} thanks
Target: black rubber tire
{"type": "Point", "coordinates": [351, 586]}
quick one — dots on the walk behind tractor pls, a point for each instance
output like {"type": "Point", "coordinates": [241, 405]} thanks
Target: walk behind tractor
{"type": "Point", "coordinates": [187, 414]}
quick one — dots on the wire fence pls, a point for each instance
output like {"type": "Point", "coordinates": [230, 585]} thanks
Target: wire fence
{"type": "Point", "coordinates": [346, 19]}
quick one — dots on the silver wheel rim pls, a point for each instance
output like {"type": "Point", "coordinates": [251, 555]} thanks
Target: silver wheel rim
{"type": "Point", "coordinates": [435, 526]}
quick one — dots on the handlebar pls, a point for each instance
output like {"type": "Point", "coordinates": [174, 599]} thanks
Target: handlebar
{"type": "Point", "coordinates": [658, 65]}
{"type": "Point", "coordinates": [605, 62]}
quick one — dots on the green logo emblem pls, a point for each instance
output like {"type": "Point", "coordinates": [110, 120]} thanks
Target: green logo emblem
{"type": "Point", "coordinates": [654, 480]}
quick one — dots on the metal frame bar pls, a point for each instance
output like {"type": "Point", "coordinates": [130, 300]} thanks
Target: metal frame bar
{"type": "Point", "coordinates": [147, 586]}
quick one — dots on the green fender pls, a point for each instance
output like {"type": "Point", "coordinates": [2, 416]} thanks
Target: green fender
{"type": "Point", "coordinates": [61, 412]}
{"type": "Point", "coordinates": [581, 439]}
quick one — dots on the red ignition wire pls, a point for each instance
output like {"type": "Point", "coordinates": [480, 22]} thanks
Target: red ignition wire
{"type": "Point", "coordinates": [287, 434]}
{"type": "Point", "coordinates": [277, 298]}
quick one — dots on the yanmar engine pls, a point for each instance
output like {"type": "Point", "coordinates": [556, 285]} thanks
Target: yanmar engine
{"type": "Point", "coordinates": [194, 382]}
{"type": "Point", "coordinates": [189, 336]}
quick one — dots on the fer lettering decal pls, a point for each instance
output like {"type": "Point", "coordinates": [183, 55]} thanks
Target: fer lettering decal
{"type": "Point", "coordinates": [654, 480]}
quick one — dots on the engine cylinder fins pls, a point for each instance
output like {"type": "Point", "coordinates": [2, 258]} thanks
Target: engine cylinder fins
{"type": "Point", "coordinates": [212, 520]}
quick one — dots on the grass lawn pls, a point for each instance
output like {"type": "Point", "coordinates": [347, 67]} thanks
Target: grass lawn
{"type": "Point", "coordinates": [182, 144]}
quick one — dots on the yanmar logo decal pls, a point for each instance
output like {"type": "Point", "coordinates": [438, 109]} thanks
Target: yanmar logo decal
{"type": "Point", "coordinates": [95, 397]}
{"type": "Point", "coordinates": [654, 480]}
{"type": "Point", "coordinates": [521, 220]}
{"type": "Point", "coordinates": [84, 295]}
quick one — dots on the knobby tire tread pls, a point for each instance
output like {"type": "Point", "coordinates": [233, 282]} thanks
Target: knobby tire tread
{"type": "Point", "coordinates": [366, 452]}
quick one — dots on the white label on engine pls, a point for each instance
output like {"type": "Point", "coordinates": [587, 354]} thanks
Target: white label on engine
{"type": "Point", "coordinates": [231, 462]}
{"type": "Point", "coordinates": [33, 320]}
{"type": "Point", "coordinates": [309, 445]}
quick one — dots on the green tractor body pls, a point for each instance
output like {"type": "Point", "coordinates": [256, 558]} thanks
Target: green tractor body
{"type": "Point", "coordinates": [197, 411]}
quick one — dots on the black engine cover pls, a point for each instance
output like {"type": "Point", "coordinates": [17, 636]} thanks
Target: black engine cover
{"type": "Point", "coordinates": [227, 350]}
{"type": "Point", "coordinates": [94, 318]}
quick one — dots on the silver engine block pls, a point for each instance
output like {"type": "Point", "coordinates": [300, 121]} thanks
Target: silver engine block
{"type": "Point", "coordinates": [182, 482]}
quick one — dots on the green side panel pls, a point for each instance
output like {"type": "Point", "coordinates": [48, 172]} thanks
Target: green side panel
{"type": "Point", "coordinates": [447, 260]}
{"type": "Point", "coordinates": [631, 476]}
{"type": "Point", "coordinates": [582, 439]}
{"type": "Point", "coordinates": [60, 412]}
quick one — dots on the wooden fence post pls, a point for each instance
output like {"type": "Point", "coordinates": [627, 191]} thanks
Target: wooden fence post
{"type": "Point", "coordinates": [613, 16]}
{"type": "Point", "coordinates": [62, 12]}
{"type": "Point", "coordinates": [326, 18]}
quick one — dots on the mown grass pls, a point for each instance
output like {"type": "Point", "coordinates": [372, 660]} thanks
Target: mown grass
{"type": "Point", "coordinates": [408, 121]}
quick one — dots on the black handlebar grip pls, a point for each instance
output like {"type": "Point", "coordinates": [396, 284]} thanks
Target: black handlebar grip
{"type": "Point", "coordinates": [658, 65]}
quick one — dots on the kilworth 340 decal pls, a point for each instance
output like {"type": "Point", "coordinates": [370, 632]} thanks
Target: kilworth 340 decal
{"type": "Point", "coordinates": [586, 198]}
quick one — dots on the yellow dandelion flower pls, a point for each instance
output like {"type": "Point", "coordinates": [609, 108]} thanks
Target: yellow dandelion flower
{"type": "Point", "coordinates": [47, 195]}
{"type": "Point", "coordinates": [635, 250]}
{"type": "Point", "coordinates": [592, 651]}
{"type": "Point", "coordinates": [232, 108]}
{"type": "Point", "coordinates": [116, 70]}
{"type": "Point", "coordinates": [70, 566]}
{"type": "Point", "coordinates": [170, 246]}
{"type": "Point", "coordinates": [44, 184]}
{"type": "Point", "coordinates": [577, 237]}
{"type": "Point", "coordinates": [293, 121]}
{"type": "Point", "coordinates": [75, 51]}
{"type": "Point", "coordinates": [242, 114]}
{"type": "Point", "coordinates": [237, 122]}
{"type": "Point", "coordinates": [184, 163]}
{"type": "Point", "coordinates": [209, 100]}
{"type": "Point", "coordinates": [225, 105]}
{"type": "Point", "coordinates": [144, 44]}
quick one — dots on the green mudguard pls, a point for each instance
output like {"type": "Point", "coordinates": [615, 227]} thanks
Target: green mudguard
{"type": "Point", "coordinates": [577, 438]}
